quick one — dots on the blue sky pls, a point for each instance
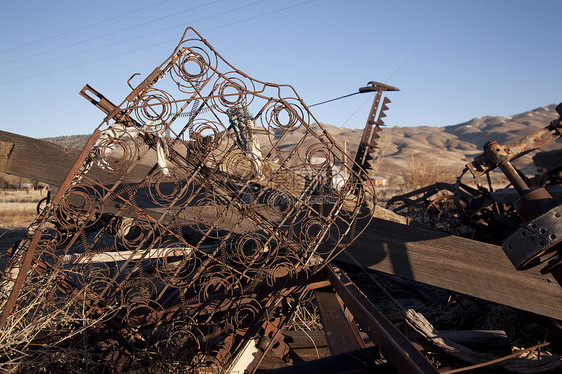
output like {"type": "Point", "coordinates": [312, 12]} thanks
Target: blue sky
{"type": "Point", "coordinates": [452, 60]}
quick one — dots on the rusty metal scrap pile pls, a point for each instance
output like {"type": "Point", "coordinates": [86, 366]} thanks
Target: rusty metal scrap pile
{"type": "Point", "coordinates": [176, 238]}
{"type": "Point", "coordinates": [206, 206]}
{"type": "Point", "coordinates": [525, 218]}
{"type": "Point", "coordinates": [481, 212]}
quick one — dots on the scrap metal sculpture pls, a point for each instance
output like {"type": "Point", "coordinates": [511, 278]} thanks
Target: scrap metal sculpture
{"type": "Point", "coordinates": [188, 229]}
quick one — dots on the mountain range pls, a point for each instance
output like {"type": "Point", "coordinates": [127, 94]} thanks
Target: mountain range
{"type": "Point", "coordinates": [446, 149]}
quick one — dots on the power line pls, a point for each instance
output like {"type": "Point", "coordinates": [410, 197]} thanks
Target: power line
{"type": "Point", "coordinates": [121, 30]}
{"type": "Point", "coordinates": [261, 15]}
{"type": "Point", "coordinates": [369, 98]}
{"type": "Point", "coordinates": [357, 110]}
{"type": "Point", "coordinates": [125, 40]}
{"type": "Point", "coordinates": [82, 27]}
{"type": "Point", "coordinates": [399, 68]}
{"type": "Point", "coordinates": [152, 45]}
{"type": "Point", "coordinates": [337, 98]}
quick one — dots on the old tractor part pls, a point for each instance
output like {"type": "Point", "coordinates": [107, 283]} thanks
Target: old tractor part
{"type": "Point", "coordinates": [188, 228]}
{"type": "Point", "coordinates": [455, 208]}
{"type": "Point", "coordinates": [482, 213]}
{"type": "Point", "coordinates": [368, 143]}
{"type": "Point", "coordinates": [541, 234]}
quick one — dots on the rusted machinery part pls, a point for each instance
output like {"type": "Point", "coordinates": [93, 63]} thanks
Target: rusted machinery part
{"type": "Point", "coordinates": [465, 194]}
{"type": "Point", "coordinates": [538, 209]}
{"type": "Point", "coordinates": [181, 236]}
{"type": "Point", "coordinates": [536, 238]}
{"type": "Point", "coordinates": [417, 203]}
{"type": "Point", "coordinates": [373, 127]}
{"type": "Point", "coordinates": [417, 199]}
{"type": "Point", "coordinates": [436, 203]}
{"type": "Point", "coordinates": [496, 155]}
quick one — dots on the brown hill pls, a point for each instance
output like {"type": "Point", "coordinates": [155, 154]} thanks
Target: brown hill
{"type": "Point", "coordinates": [446, 149]}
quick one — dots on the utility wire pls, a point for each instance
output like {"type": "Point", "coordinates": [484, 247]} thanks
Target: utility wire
{"type": "Point", "coordinates": [343, 97]}
{"type": "Point", "coordinates": [125, 40]}
{"type": "Point", "coordinates": [369, 98]}
{"type": "Point", "coordinates": [81, 42]}
{"type": "Point", "coordinates": [82, 27]}
{"type": "Point", "coordinates": [261, 15]}
{"type": "Point", "coordinates": [399, 68]}
{"type": "Point", "coordinates": [357, 110]}
{"type": "Point", "coordinates": [337, 98]}
{"type": "Point", "coordinates": [152, 45]}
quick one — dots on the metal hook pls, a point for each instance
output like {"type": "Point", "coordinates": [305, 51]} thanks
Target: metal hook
{"type": "Point", "coordinates": [129, 80]}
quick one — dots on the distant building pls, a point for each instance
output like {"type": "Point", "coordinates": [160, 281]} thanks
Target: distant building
{"type": "Point", "coordinates": [377, 181]}
{"type": "Point", "coordinates": [25, 187]}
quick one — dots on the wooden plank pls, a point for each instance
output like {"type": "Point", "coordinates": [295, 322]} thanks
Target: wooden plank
{"type": "Point", "coordinates": [454, 263]}
{"type": "Point", "coordinates": [5, 151]}
{"type": "Point", "coordinates": [341, 334]}
{"type": "Point", "coordinates": [480, 340]}
{"type": "Point", "coordinates": [37, 159]}
{"type": "Point", "coordinates": [306, 339]}
{"type": "Point", "coordinates": [357, 362]}
{"type": "Point", "coordinates": [50, 163]}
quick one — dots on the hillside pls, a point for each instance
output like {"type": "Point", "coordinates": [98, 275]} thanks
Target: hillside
{"type": "Point", "coordinates": [448, 148]}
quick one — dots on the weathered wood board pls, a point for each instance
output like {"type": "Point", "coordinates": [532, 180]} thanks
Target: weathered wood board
{"type": "Point", "coordinates": [35, 159]}
{"type": "Point", "coordinates": [454, 263]}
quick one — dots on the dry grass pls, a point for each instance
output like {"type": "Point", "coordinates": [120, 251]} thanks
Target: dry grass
{"type": "Point", "coordinates": [423, 173]}
{"type": "Point", "coordinates": [18, 208]}
{"type": "Point", "coordinates": [35, 318]}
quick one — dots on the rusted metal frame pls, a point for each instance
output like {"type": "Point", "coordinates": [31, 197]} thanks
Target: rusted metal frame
{"type": "Point", "coordinates": [141, 212]}
{"type": "Point", "coordinates": [153, 77]}
{"type": "Point", "coordinates": [174, 117]}
{"type": "Point", "coordinates": [368, 140]}
{"type": "Point", "coordinates": [194, 113]}
{"type": "Point", "coordinates": [310, 283]}
{"type": "Point", "coordinates": [258, 219]}
{"type": "Point", "coordinates": [396, 348]}
{"type": "Point", "coordinates": [301, 282]}
{"type": "Point", "coordinates": [278, 345]}
{"type": "Point", "coordinates": [341, 334]}
{"type": "Point", "coordinates": [534, 141]}
{"type": "Point", "coordinates": [230, 197]}
{"type": "Point", "coordinates": [196, 173]}
{"type": "Point", "coordinates": [497, 156]}
{"type": "Point", "coordinates": [74, 237]}
{"type": "Point", "coordinates": [350, 226]}
{"type": "Point", "coordinates": [65, 285]}
{"type": "Point", "coordinates": [102, 103]}
{"type": "Point", "coordinates": [435, 201]}
{"type": "Point", "coordinates": [366, 137]}
{"type": "Point", "coordinates": [148, 218]}
{"type": "Point", "coordinates": [28, 256]}
{"type": "Point", "coordinates": [232, 201]}
{"type": "Point", "coordinates": [270, 331]}
{"type": "Point", "coordinates": [425, 191]}
{"type": "Point", "coordinates": [483, 164]}
{"type": "Point", "coordinates": [301, 198]}
{"type": "Point", "coordinates": [275, 329]}
{"type": "Point", "coordinates": [326, 227]}
{"type": "Point", "coordinates": [94, 184]}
